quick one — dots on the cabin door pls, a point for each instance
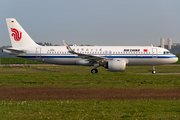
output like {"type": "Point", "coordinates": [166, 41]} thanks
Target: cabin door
{"type": "Point", "coordinates": [38, 52]}
{"type": "Point", "coordinates": [154, 52]}
{"type": "Point", "coordinates": [106, 53]}
{"type": "Point", "coordinates": [110, 52]}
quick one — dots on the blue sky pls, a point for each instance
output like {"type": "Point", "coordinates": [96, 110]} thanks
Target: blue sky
{"type": "Point", "coordinates": [95, 22]}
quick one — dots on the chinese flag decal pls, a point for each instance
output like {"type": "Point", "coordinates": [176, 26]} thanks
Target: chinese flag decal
{"type": "Point", "coordinates": [145, 50]}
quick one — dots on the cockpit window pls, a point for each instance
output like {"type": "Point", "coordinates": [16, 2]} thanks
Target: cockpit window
{"type": "Point", "coordinates": [167, 52]}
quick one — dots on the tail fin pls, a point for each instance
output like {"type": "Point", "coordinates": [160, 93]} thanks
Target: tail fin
{"type": "Point", "coordinates": [18, 36]}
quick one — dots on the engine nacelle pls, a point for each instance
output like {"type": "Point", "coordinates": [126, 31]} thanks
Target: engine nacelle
{"type": "Point", "coordinates": [116, 65]}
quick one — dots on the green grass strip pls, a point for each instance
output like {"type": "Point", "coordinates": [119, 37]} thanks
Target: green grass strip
{"type": "Point", "coordinates": [91, 109]}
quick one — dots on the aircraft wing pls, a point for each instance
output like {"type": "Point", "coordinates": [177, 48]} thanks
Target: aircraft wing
{"type": "Point", "coordinates": [84, 56]}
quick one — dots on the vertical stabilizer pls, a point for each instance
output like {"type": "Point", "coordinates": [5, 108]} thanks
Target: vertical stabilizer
{"type": "Point", "coordinates": [18, 36]}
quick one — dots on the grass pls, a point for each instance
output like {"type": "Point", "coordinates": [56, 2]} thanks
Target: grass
{"type": "Point", "coordinates": [18, 61]}
{"type": "Point", "coordinates": [73, 76]}
{"type": "Point", "coordinates": [91, 109]}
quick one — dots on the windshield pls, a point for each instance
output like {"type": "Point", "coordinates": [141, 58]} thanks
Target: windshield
{"type": "Point", "coordinates": [167, 52]}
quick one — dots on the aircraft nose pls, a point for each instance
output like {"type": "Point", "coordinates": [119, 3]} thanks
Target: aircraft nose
{"type": "Point", "coordinates": [176, 59]}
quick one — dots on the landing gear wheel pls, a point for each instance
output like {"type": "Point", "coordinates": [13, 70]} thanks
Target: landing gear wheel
{"type": "Point", "coordinates": [153, 69]}
{"type": "Point", "coordinates": [94, 71]}
{"type": "Point", "coordinates": [153, 72]}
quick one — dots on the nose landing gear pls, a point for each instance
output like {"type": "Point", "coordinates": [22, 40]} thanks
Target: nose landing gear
{"type": "Point", "coordinates": [153, 70]}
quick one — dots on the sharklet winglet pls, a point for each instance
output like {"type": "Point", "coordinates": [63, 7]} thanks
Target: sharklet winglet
{"type": "Point", "coordinates": [68, 47]}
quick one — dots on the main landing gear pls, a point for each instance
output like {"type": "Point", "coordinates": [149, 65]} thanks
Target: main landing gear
{"type": "Point", "coordinates": [153, 70]}
{"type": "Point", "coordinates": [94, 70]}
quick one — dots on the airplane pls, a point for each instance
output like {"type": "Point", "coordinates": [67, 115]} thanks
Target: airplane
{"type": "Point", "coordinates": [114, 58]}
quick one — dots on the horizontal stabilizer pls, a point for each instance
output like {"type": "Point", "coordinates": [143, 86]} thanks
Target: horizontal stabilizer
{"type": "Point", "coordinates": [12, 50]}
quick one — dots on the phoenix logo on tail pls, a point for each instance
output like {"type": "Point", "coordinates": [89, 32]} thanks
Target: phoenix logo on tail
{"type": "Point", "coordinates": [16, 34]}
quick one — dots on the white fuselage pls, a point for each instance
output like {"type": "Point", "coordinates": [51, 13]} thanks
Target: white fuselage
{"type": "Point", "coordinates": [135, 55]}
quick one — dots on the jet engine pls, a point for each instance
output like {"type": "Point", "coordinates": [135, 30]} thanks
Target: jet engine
{"type": "Point", "coordinates": [116, 65]}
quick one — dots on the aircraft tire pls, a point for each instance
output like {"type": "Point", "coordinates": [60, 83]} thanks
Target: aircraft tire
{"type": "Point", "coordinates": [153, 72]}
{"type": "Point", "coordinates": [94, 71]}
